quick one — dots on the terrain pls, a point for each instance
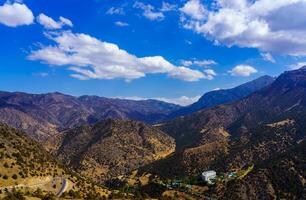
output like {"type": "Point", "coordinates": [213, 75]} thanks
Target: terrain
{"type": "Point", "coordinates": [113, 148]}
{"type": "Point", "coordinates": [43, 116]}
{"type": "Point", "coordinates": [249, 135]}
{"type": "Point", "coordinates": [28, 170]}
{"type": "Point", "coordinates": [257, 129]}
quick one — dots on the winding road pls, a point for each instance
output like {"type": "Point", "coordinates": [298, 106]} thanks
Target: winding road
{"type": "Point", "coordinates": [63, 188]}
{"type": "Point", "coordinates": [40, 184]}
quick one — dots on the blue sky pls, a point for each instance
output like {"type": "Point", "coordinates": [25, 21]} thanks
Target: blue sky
{"type": "Point", "coordinates": [146, 49]}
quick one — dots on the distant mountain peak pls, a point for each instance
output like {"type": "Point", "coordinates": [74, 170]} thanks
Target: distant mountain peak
{"type": "Point", "coordinates": [303, 68]}
{"type": "Point", "coordinates": [217, 97]}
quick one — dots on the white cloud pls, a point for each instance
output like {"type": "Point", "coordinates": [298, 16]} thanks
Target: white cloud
{"type": "Point", "coordinates": [201, 63]}
{"type": "Point", "coordinates": [276, 26]}
{"type": "Point", "coordinates": [204, 63]}
{"type": "Point", "coordinates": [149, 11]}
{"type": "Point", "coordinates": [183, 100]}
{"type": "Point", "coordinates": [186, 63]}
{"type": "Point", "coordinates": [268, 57]}
{"type": "Point", "coordinates": [166, 7]}
{"type": "Point", "coordinates": [113, 11]}
{"type": "Point", "coordinates": [297, 65]}
{"type": "Point", "coordinates": [194, 9]}
{"type": "Point", "coordinates": [15, 14]}
{"type": "Point", "coordinates": [90, 58]}
{"type": "Point", "coordinates": [121, 24]}
{"type": "Point", "coordinates": [187, 74]}
{"type": "Point", "coordinates": [65, 21]}
{"type": "Point", "coordinates": [210, 74]}
{"type": "Point", "coordinates": [243, 70]}
{"type": "Point", "coordinates": [49, 23]}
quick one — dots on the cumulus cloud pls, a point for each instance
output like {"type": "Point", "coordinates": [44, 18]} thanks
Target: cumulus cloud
{"type": "Point", "coordinates": [271, 26]}
{"type": "Point", "coordinates": [15, 14]}
{"type": "Point", "coordinates": [297, 65]}
{"type": "Point", "coordinates": [243, 70]}
{"type": "Point", "coordinates": [90, 58]}
{"type": "Point", "coordinates": [149, 11]}
{"type": "Point", "coordinates": [121, 24]}
{"type": "Point", "coordinates": [183, 100]}
{"type": "Point", "coordinates": [49, 23]}
{"type": "Point", "coordinates": [268, 57]}
{"type": "Point", "coordinates": [194, 9]}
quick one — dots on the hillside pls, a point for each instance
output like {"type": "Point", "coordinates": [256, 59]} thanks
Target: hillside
{"type": "Point", "coordinates": [249, 131]}
{"type": "Point", "coordinates": [282, 177]}
{"type": "Point", "coordinates": [112, 148]}
{"type": "Point", "coordinates": [28, 170]}
{"type": "Point", "coordinates": [42, 116]}
{"type": "Point", "coordinates": [223, 96]}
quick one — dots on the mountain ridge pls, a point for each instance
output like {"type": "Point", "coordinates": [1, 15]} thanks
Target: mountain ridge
{"type": "Point", "coordinates": [44, 115]}
{"type": "Point", "coordinates": [223, 96]}
{"type": "Point", "coordinates": [215, 132]}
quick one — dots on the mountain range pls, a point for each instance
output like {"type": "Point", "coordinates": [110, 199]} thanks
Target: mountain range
{"type": "Point", "coordinates": [44, 115]}
{"type": "Point", "coordinates": [255, 131]}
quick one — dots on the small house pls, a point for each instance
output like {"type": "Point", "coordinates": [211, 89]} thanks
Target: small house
{"type": "Point", "coordinates": [208, 176]}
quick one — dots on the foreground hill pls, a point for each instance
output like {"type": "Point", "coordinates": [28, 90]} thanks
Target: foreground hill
{"type": "Point", "coordinates": [112, 148]}
{"type": "Point", "coordinates": [26, 169]}
{"type": "Point", "coordinates": [223, 96]}
{"type": "Point", "coordinates": [44, 115]}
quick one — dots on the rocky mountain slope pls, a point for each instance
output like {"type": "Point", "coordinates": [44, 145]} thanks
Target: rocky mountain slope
{"type": "Point", "coordinates": [44, 115]}
{"type": "Point", "coordinates": [113, 147]}
{"type": "Point", "coordinates": [249, 131]}
{"type": "Point", "coordinates": [282, 177]}
{"type": "Point", "coordinates": [224, 96]}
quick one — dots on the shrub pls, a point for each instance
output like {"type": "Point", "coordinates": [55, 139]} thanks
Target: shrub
{"type": "Point", "coordinates": [6, 165]}
{"type": "Point", "coordinates": [14, 176]}
{"type": "Point", "coordinates": [49, 196]}
{"type": "Point", "coordinates": [14, 195]}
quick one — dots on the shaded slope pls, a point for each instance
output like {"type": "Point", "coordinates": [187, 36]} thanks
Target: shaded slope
{"type": "Point", "coordinates": [113, 147]}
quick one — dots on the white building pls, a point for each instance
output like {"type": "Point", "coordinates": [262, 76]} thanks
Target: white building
{"type": "Point", "coordinates": [208, 176]}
